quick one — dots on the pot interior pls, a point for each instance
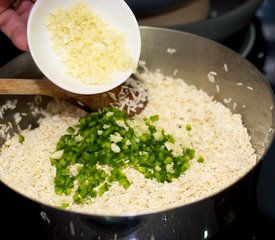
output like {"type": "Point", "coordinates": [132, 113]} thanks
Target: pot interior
{"type": "Point", "coordinates": [186, 56]}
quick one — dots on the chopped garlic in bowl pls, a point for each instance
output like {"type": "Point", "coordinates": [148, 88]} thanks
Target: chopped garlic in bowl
{"type": "Point", "coordinates": [85, 47]}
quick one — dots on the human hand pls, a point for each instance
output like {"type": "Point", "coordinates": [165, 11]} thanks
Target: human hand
{"type": "Point", "coordinates": [13, 21]}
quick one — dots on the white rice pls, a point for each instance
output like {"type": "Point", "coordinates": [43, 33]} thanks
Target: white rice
{"type": "Point", "coordinates": [217, 134]}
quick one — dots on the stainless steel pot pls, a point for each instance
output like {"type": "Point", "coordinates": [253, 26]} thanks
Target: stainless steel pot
{"type": "Point", "coordinates": [194, 58]}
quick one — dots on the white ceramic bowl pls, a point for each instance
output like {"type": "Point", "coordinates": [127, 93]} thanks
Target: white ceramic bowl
{"type": "Point", "coordinates": [118, 13]}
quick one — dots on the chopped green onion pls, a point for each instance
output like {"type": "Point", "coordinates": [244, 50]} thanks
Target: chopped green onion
{"type": "Point", "coordinates": [71, 130]}
{"type": "Point", "coordinates": [154, 118]}
{"type": "Point", "coordinates": [200, 159]}
{"type": "Point", "coordinates": [124, 182]}
{"type": "Point", "coordinates": [21, 138]}
{"type": "Point", "coordinates": [188, 127]}
{"type": "Point", "coordinates": [64, 205]}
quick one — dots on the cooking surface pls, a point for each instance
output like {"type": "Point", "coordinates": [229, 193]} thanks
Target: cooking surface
{"type": "Point", "coordinates": [256, 42]}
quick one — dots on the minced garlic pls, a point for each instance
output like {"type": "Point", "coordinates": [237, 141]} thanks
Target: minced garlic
{"type": "Point", "coordinates": [90, 47]}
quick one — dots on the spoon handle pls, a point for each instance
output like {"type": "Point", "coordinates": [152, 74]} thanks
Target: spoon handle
{"type": "Point", "coordinates": [39, 87]}
{"type": "Point", "coordinates": [29, 87]}
{"type": "Point", "coordinates": [47, 88]}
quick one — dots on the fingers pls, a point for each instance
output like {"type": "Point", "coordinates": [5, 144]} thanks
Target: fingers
{"type": "Point", "coordinates": [15, 28]}
{"type": "Point", "coordinates": [13, 22]}
{"type": "Point", "coordinates": [4, 5]}
{"type": "Point", "coordinates": [23, 9]}
{"type": "Point", "coordinates": [19, 38]}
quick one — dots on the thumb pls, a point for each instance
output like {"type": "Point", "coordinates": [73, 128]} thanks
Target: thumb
{"type": "Point", "coordinates": [19, 38]}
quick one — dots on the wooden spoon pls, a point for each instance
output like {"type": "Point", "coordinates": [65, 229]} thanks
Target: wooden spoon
{"type": "Point", "coordinates": [131, 95]}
